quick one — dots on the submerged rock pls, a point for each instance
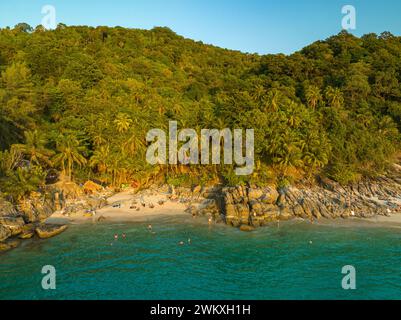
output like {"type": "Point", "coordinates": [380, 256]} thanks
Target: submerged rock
{"type": "Point", "coordinates": [246, 228]}
{"type": "Point", "coordinates": [47, 231]}
{"type": "Point", "coordinates": [8, 245]}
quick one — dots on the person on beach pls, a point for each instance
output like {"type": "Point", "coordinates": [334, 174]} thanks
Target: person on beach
{"type": "Point", "coordinates": [143, 201]}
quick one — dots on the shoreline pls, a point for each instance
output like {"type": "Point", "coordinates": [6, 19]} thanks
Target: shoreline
{"type": "Point", "coordinates": [176, 208]}
{"type": "Point", "coordinates": [368, 203]}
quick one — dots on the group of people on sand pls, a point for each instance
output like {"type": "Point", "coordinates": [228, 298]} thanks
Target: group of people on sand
{"type": "Point", "coordinates": [143, 204]}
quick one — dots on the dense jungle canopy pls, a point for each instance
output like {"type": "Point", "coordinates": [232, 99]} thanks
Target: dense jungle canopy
{"type": "Point", "coordinates": [80, 100]}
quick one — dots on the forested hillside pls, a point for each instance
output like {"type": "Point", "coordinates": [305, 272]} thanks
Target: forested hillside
{"type": "Point", "coordinates": [81, 100]}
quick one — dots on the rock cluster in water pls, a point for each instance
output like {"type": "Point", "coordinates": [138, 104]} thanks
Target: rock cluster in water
{"type": "Point", "coordinates": [25, 222]}
{"type": "Point", "coordinates": [14, 229]}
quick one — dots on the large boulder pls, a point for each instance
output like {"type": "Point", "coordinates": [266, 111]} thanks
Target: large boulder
{"type": "Point", "coordinates": [7, 209]}
{"type": "Point", "coordinates": [231, 215]}
{"type": "Point", "coordinates": [5, 233]}
{"type": "Point", "coordinates": [246, 228]}
{"type": "Point", "coordinates": [45, 231]}
{"type": "Point", "coordinates": [254, 193]}
{"type": "Point", "coordinates": [270, 195]}
{"type": "Point", "coordinates": [299, 212]}
{"type": "Point", "coordinates": [15, 225]}
{"type": "Point", "coordinates": [36, 209]}
{"type": "Point", "coordinates": [243, 213]}
{"type": "Point", "coordinates": [28, 232]}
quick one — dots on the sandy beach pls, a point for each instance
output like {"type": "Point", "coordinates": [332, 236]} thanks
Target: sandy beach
{"type": "Point", "coordinates": [127, 206]}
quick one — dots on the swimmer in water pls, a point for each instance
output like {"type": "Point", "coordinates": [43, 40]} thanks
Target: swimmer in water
{"type": "Point", "coordinates": [189, 240]}
{"type": "Point", "coordinates": [123, 235]}
{"type": "Point", "coordinates": [150, 227]}
{"type": "Point", "coordinates": [210, 221]}
{"type": "Point", "coordinates": [116, 237]}
{"type": "Point", "coordinates": [181, 243]}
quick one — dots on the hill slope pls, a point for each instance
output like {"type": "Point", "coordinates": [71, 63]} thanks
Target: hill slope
{"type": "Point", "coordinates": [81, 99]}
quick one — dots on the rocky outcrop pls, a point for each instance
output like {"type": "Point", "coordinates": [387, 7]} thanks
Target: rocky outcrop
{"type": "Point", "coordinates": [5, 233]}
{"type": "Point", "coordinates": [36, 208]}
{"type": "Point", "coordinates": [28, 232]}
{"type": "Point", "coordinates": [250, 206]}
{"type": "Point", "coordinates": [7, 209]}
{"type": "Point", "coordinates": [45, 231]}
{"type": "Point", "coordinates": [14, 225]}
{"type": "Point", "coordinates": [256, 206]}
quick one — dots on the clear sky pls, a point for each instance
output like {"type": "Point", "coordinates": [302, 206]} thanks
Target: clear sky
{"type": "Point", "coordinates": [263, 26]}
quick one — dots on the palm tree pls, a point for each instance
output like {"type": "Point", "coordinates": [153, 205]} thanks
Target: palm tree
{"type": "Point", "coordinates": [122, 122]}
{"type": "Point", "coordinates": [21, 182]}
{"type": "Point", "coordinates": [115, 167]}
{"type": "Point", "coordinates": [34, 148]}
{"type": "Point", "coordinates": [9, 160]}
{"type": "Point", "coordinates": [316, 159]}
{"type": "Point", "coordinates": [259, 94]}
{"type": "Point", "coordinates": [313, 96]}
{"type": "Point", "coordinates": [289, 157]}
{"type": "Point", "coordinates": [69, 153]}
{"type": "Point", "coordinates": [387, 126]}
{"type": "Point", "coordinates": [334, 96]}
{"type": "Point", "coordinates": [273, 99]}
{"type": "Point", "coordinates": [99, 159]}
{"type": "Point", "coordinates": [134, 144]}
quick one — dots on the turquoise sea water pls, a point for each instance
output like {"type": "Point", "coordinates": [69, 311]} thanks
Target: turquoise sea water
{"type": "Point", "coordinates": [296, 260]}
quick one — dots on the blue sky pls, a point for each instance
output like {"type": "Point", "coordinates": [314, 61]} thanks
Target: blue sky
{"type": "Point", "coordinates": [263, 26]}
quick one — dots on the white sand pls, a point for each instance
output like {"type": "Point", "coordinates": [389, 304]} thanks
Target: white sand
{"type": "Point", "coordinates": [126, 198]}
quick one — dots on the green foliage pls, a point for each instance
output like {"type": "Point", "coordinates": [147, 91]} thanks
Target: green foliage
{"type": "Point", "coordinates": [19, 183]}
{"type": "Point", "coordinates": [81, 99]}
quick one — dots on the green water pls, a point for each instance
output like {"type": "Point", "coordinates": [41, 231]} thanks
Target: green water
{"type": "Point", "coordinates": [295, 261]}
